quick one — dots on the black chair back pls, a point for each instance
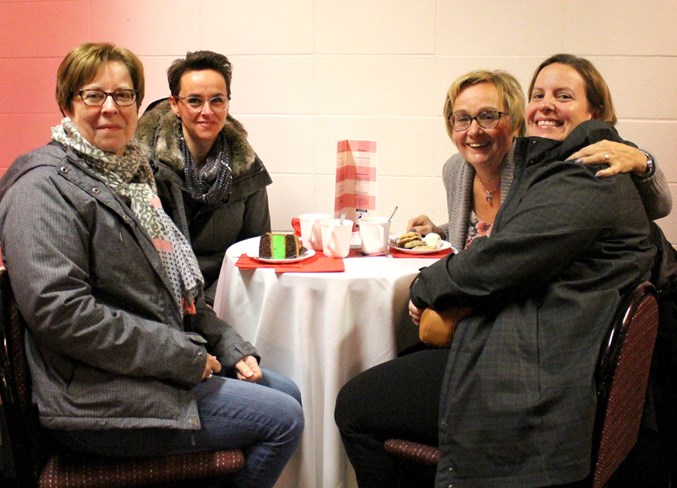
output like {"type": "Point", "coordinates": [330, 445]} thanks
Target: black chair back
{"type": "Point", "coordinates": [23, 427]}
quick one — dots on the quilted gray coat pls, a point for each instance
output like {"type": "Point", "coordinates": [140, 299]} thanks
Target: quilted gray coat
{"type": "Point", "coordinates": [107, 346]}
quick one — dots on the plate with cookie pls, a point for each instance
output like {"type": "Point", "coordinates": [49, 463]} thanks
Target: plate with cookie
{"type": "Point", "coordinates": [415, 243]}
{"type": "Point", "coordinates": [281, 248]}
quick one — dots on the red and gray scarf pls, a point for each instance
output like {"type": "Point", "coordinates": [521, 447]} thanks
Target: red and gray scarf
{"type": "Point", "coordinates": [131, 176]}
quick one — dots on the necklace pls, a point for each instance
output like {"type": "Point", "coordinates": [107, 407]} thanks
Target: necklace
{"type": "Point", "coordinates": [489, 194]}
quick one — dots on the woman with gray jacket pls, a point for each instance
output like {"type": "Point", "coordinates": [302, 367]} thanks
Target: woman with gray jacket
{"type": "Point", "coordinates": [125, 357]}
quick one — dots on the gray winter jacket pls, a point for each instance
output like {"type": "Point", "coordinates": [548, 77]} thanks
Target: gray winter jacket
{"type": "Point", "coordinates": [107, 347]}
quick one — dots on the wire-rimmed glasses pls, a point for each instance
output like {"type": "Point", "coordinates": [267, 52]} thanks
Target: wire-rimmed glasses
{"type": "Point", "coordinates": [486, 120]}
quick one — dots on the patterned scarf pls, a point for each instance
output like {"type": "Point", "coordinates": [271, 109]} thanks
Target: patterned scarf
{"type": "Point", "coordinates": [209, 184]}
{"type": "Point", "coordinates": [131, 176]}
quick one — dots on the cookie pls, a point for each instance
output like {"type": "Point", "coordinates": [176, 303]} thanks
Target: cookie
{"type": "Point", "coordinates": [414, 243]}
{"type": "Point", "coordinates": [408, 237]}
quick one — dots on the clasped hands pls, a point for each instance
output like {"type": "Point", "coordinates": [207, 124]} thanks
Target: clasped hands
{"type": "Point", "coordinates": [621, 158]}
{"type": "Point", "coordinates": [246, 369]}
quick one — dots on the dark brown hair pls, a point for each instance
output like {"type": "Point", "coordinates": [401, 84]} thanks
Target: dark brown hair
{"type": "Point", "coordinates": [198, 61]}
{"type": "Point", "coordinates": [596, 90]}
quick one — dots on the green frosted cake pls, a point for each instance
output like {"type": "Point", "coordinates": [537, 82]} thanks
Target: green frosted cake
{"type": "Point", "coordinates": [279, 246]}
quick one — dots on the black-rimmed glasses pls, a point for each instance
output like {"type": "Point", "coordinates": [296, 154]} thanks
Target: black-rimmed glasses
{"type": "Point", "coordinates": [96, 98]}
{"type": "Point", "coordinates": [218, 103]}
{"type": "Point", "coordinates": [486, 120]}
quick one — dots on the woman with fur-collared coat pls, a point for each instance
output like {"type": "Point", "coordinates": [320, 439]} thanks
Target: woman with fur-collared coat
{"type": "Point", "coordinates": [210, 180]}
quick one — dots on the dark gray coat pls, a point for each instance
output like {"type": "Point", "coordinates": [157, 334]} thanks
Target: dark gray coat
{"type": "Point", "coordinates": [107, 347]}
{"type": "Point", "coordinates": [210, 230]}
{"type": "Point", "coordinates": [458, 176]}
{"type": "Point", "coordinates": [518, 402]}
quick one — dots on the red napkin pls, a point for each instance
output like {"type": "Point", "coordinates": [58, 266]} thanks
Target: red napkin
{"type": "Point", "coordinates": [433, 255]}
{"type": "Point", "coordinates": [296, 225]}
{"type": "Point", "coordinates": [315, 264]}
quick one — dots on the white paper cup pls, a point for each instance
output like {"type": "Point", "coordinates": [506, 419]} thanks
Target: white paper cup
{"type": "Point", "coordinates": [336, 237]}
{"type": "Point", "coordinates": [311, 232]}
{"type": "Point", "coordinates": [374, 233]}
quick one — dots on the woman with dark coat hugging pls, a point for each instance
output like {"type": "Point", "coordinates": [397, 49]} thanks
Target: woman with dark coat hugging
{"type": "Point", "coordinates": [512, 402]}
{"type": "Point", "coordinates": [210, 181]}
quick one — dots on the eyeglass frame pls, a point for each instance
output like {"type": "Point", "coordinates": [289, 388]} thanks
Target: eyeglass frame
{"type": "Point", "coordinates": [204, 100]}
{"type": "Point", "coordinates": [477, 119]}
{"type": "Point", "coordinates": [135, 94]}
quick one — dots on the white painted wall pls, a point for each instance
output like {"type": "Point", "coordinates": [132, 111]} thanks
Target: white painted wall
{"type": "Point", "coordinates": [308, 73]}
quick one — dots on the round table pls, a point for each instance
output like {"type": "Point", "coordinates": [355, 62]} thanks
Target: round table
{"type": "Point", "coordinates": [320, 329]}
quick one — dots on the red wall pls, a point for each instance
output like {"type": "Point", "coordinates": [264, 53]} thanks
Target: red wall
{"type": "Point", "coordinates": [33, 39]}
{"type": "Point", "coordinates": [35, 35]}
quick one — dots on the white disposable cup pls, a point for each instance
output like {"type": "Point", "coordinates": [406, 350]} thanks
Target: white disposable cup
{"type": "Point", "coordinates": [374, 233]}
{"type": "Point", "coordinates": [311, 232]}
{"type": "Point", "coordinates": [336, 237]}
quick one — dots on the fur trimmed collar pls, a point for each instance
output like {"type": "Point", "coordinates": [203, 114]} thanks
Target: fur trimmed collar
{"type": "Point", "coordinates": [159, 128]}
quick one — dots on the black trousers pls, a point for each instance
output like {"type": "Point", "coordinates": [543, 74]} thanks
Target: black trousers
{"type": "Point", "coordinates": [396, 399]}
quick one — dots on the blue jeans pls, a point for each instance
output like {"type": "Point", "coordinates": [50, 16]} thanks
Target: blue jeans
{"type": "Point", "coordinates": [265, 419]}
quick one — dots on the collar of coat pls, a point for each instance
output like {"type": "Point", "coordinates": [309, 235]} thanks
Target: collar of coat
{"type": "Point", "coordinates": [159, 130]}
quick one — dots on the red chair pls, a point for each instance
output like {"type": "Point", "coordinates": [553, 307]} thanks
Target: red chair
{"type": "Point", "coordinates": [622, 377]}
{"type": "Point", "coordinates": [413, 451]}
{"type": "Point", "coordinates": [36, 463]}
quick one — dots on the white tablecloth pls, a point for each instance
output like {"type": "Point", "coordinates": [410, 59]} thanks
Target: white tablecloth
{"type": "Point", "coordinates": [320, 329]}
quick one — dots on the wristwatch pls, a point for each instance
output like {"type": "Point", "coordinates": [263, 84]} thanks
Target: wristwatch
{"type": "Point", "coordinates": [649, 164]}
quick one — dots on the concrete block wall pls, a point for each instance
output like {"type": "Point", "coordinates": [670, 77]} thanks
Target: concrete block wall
{"type": "Point", "coordinates": [308, 73]}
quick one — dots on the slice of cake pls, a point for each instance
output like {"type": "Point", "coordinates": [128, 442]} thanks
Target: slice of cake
{"type": "Point", "coordinates": [279, 246]}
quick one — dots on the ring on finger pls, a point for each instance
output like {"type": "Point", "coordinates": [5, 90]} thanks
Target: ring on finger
{"type": "Point", "coordinates": [606, 158]}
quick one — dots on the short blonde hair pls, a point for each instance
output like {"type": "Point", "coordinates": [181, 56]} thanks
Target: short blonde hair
{"type": "Point", "coordinates": [596, 90]}
{"type": "Point", "coordinates": [80, 66]}
{"type": "Point", "coordinates": [508, 88]}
